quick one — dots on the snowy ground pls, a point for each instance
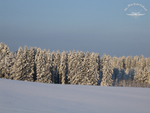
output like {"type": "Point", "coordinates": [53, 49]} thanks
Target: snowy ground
{"type": "Point", "coordinates": [31, 97]}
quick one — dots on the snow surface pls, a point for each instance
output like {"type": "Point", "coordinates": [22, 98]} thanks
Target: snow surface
{"type": "Point", "coordinates": [31, 97]}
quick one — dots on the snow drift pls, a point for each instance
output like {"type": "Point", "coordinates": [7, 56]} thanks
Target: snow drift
{"type": "Point", "coordinates": [31, 97]}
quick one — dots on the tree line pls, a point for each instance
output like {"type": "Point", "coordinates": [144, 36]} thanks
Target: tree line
{"type": "Point", "coordinates": [36, 65]}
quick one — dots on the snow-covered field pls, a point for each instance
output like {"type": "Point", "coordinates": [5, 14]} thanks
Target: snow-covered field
{"type": "Point", "coordinates": [31, 97]}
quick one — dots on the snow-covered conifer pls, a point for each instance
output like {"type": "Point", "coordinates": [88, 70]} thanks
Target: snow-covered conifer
{"type": "Point", "coordinates": [4, 50]}
{"type": "Point", "coordinates": [68, 68]}
{"type": "Point", "coordinates": [63, 67]}
{"type": "Point", "coordinates": [23, 68]}
{"type": "Point", "coordinates": [17, 68]}
{"type": "Point", "coordinates": [94, 69]}
{"type": "Point", "coordinates": [53, 66]}
{"type": "Point", "coordinates": [138, 75]}
{"type": "Point", "coordinates": [145, 76]}
{"type": "Point", "coordinates": [76, 68]}
{"type": "Point", "coordinates": [128, 62]}
{"type": "Point", "coordinates": [115, 67]}
{"type": "Point", "coordinates": [114, 62]}
{"type": "Point", "coordinates": [120, 63]}
{"type": "Point", "coordinates": [43, 67]}
{"type": "Point", "coordinates": [142, 62]}
{"type": "Point", "coordinates": [57, 66]}
{"type": "Point", "coordinates": [4, 61]}
{"type": "Point", "coordinates": [85, 70]}
{"type": "Point", "coordinates": [107, 71]}
{"type": "Point", "coordinates": [148, 62]}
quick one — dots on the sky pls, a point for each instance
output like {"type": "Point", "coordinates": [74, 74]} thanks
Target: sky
{"type": "Point", "coordinates": [99, 26]}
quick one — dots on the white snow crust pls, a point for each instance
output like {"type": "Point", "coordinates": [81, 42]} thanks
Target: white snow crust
{"type": "Point", "coordinates": [31, 97]}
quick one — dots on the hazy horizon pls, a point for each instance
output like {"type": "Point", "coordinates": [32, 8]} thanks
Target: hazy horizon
{"type": "Point", "coordinates": [94, 26]}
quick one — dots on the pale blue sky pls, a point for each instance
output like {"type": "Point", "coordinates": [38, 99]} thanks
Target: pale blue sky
{"type": "Point", "coordinates": [100, 26]}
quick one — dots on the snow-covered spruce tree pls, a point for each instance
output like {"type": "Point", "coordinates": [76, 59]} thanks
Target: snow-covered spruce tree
{"type": "Point", "coordinates": [98, 61]}
{"type": "Point", "coordinates": [142, 62]}
{"type": "Point", "coordinates": [43, 67]}
{"type": "Point", "coordinates": [49, 65]}
{"type": "Point", "coordinates": [145, 77]}
{"type": "Point", "coordinates": [138, 75]}
{"type": "Point", "coordinates": [148, 62]}
{"type": "Point", "coordinates": [63, 68]}
{"type": "Point", "coordinates": [30, 70]}
{"type": "Point", "coordinates": [75, 68]}
{"type": "Point", "coordinates": [107, 71]}
{"type": "Point", "coordinates": [136, 58]}
{"type": "Point", "coordinates": [85, 70]}
{"type": "Point", "coordinates": [4, 61]}
{"type": "Point", "coordinates": [16, 73]}
{"type": "Point", "coordinates": [12, 60]}
{"type": "Point", "coordinates": [120, 63]}
{"type": "Point", "coordinates": [134, 62]}
{"type": "Point", "coordinates": [68, 62]}
{"type": "Point", "coordinates": [115, 67]}
{"type": "Point", "coordinates": [149, 76]}
{"type": "Point", "coordinates": [71, 63]}
{"type": "Point", "coordinates": [91, 64]}
{"type": "Point", "coordinates": [128, 62]}
{"type": "Point", "coordinates": [114, 62]}
{"type": "Point", "coordinates": [28, 64]}
{"type": "Point", "coordinates": [53, 66]}
{"type": "Point", "coordinates": [128, 66]}
{"type": "Point", "coordinates": [142, 77]}
{"type": "Point", "coordinates": [57, 66]}
{"type": "Point", "coordinates": [4, 50]}
{"type": "Point", "coordinates": [23, 68]}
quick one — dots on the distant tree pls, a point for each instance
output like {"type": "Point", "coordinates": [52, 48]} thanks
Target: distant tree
{"type": "Point", "coordinates": [53, 66]}
{"type": "Point", "coordinates": [4, 61]}
{"type": "Point", "coordinates": [12, 60]}
{"type": "Point", "coordinates": [4, 50]}
{"type": "Point", "coordinates": [107, 71]}
{"type": "Point", "coordinates": [68, 68]}
{"type": "Point", "coordinates": [63, 68]}
{"type": "Point", "coordinates": [71, 66]}
{"type": "Point", "coordinates": [30, 70]}
{"type": "Point", "coordinates": [115, 67]}
{"type": "Point", "coordinates": [76, 71]}
{"type": "Point", "coordinates": [98, 61]}
{"type": "Point", "coordinates": [85, 70]}
{"type": "Point", "coordinates": [128, 62]}
{"type": "Point", "coordinates": [43, 68]}
{"type": "Point", "coordinates": [94, 69]}
{"type": "Point", "coordinates": [148, 62]}
{"type": "Point", "coordinates": [142, 62]}
{"type": "Point", "coordinates": [120, 63]}
{"type": "Point", "coordinates": [138, 75]}
{"type": "Point", "coordinates": [145, 76]}
{"type": "Point", "coordinates": [4, 67]}
{"type": "Point", "coordinates": [17, 68]}
{"type": "Point", "coordinates": [23, 68]}
{"type": "Point", "coordinates": [134, 62]}
{"type": "Point", "coordinates": [57, 66]}
{"type": "Point", "coordinates": [114, 62]}
{"type": "Point", "coordinates": [148, 76]}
